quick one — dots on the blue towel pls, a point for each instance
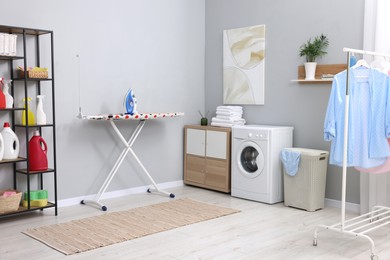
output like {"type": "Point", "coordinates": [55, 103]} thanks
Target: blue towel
{"type": "Point", "coordinates": [290, 161]}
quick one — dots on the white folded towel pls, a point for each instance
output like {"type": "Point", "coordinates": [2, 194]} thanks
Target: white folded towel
{"type": "Point", "coordinates": [224, 124]}
{"type": "Point", "coordinates": [234, 117]}
{"type": "Point", "coordinates": [229, 108]}
{"type": "Point", "coordinates": [218, 120]}
{"type": "Point", "coordinates": [228, 113]}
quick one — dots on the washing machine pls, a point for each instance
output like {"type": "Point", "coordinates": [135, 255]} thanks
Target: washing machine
{"type": "Point", "coordinates": [256, 167]}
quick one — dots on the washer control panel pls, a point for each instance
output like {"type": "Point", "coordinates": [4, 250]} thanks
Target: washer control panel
{"type": "Point", "coordinates": [257, 134]}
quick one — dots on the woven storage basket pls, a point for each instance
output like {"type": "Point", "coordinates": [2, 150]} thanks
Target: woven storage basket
{"type": "Point", "coordinates": [10, 203]}
{"type": "Point", "coordinates": [306, 190]}
{"type": "Point", "coordinates": [35, 74]}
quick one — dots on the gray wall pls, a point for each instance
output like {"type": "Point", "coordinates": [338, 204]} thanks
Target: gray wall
{"type": "Point", "coordinates": [289, 24]}
{"type": "Point", "coordinates": [156, 47]}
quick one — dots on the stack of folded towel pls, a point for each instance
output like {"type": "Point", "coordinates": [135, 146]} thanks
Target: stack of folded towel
{"type": "Point", "coordinates": [228, 116]}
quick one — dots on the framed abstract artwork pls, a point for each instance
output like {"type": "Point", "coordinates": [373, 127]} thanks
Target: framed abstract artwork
{"type": "Point", "coordinates": [243, 65]}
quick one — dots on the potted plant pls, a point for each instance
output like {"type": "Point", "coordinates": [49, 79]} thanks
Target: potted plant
{"type": "Point", "coordinates": [313, 50]}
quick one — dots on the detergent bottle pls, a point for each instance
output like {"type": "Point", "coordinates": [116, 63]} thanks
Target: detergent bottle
{"type": "Point", "coordinates": [1, 147]}
{"type": "Point", "coordinates": [41, 116]}
{"type": "Point", "coordinates": [37, 153]}
{"type": "Point", "coordinates": [31, 116]}
{"type": "Point", "coordinates": [9, 100]}
{"type": "Point", "coordinates": [2, 97]}
{"type": "Point", "coordinates": [11, 143]}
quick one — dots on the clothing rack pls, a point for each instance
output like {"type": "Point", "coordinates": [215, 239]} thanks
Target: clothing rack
{"type": "Point", "coordinates": [379, 216]}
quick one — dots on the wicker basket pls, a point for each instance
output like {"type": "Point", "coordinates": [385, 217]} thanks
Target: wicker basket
{"type": "Point", "coordinates": [35, 74]}
{"type": "Point", "coordinates": [10, 203]}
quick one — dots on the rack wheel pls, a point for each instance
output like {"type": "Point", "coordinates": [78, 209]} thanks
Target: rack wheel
{"type": "Point", "coordinates": [314, 242]}
{"type": "Point", "coordinates": [82, 202]}
{"type": "Point", "coordinates": [104, 208]}
{"type": "Point", "coordinates": [172, 195]}
{"type": "Point", "coordinates": [374, 257]}
{"type": "Point", "coordinates": [149, 191]}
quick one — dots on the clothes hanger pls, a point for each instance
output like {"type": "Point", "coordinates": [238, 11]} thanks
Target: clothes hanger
{"type": "Point", "coordinates": [361, 63]}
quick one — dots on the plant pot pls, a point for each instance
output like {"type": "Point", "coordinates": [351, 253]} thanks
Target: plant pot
{"type": "Point", "coordinates": [310, 70]}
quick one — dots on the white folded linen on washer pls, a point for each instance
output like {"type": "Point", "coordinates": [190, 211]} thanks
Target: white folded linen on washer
{"type": "Point", "coordinates": [234, 117]}
{"type": "Point", "coordinates": [228, 121]}
{"type": "Point", "coordinates": [229, 108]}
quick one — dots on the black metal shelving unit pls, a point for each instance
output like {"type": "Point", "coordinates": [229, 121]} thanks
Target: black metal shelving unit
{"type": "Point", "coordinates": [22, 86]}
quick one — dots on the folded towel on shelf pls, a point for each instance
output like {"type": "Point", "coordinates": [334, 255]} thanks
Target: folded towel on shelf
{"type": "Point", "coordinates": [290, 161]}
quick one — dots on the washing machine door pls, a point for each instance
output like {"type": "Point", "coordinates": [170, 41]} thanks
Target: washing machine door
{"type": "Point", "coordinates": [250, 159]}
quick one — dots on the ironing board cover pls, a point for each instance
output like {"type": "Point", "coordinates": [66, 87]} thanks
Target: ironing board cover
{"type": "Point", "coordinates": [138, 116]}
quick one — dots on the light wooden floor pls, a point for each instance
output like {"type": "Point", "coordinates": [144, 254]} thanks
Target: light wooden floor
{"type": "Point", "coordinates": [259, 231]}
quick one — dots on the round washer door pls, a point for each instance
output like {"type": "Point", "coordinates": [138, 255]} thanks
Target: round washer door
{"type": "Point", "coordinates": [250, 159]}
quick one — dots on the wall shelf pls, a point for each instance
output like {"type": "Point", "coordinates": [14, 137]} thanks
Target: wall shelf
{"type": "Point", "coordinates": [322, 69]}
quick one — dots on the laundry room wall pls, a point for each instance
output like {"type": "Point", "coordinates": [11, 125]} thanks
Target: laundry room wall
{"type": "Point", "coordinates": [289, 24]}
{"type": "Point", "coordinates": [155, 47]}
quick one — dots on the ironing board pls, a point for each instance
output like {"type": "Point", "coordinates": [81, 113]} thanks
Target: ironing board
{"type": "Point", "coordinates": [141, 118]}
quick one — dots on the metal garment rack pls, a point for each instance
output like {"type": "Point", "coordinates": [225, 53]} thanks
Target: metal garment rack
{"type": "Point", "coordinates": [379, 216]}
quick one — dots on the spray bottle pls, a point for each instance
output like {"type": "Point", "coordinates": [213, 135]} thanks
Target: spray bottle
{"type": "Point", "coordinates": [31, 116]}
{"type": "Point", "coordinates": [9, 100]}
{"type": "Point", "coordinates": [41, 116]}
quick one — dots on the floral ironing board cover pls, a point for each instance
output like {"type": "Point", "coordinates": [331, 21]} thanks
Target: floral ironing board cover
{"type": "Point", "coordinates": [138, 116]}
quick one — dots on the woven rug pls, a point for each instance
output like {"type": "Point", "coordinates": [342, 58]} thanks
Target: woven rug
{"type": "Point", "coordinates": [89, 233]}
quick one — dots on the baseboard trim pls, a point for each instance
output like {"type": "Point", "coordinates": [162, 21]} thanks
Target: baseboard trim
{"type": "Point", "coordinates": [352, 207]}
{"type": "Point", "coordinates": [118, 193]}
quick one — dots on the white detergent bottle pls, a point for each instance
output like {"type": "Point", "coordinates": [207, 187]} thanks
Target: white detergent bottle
{"type": "Point", "coordinates": [1, 147]}
{"type": "Point", "coordinates": [9, 100]}
{"type": "Point", "coordinates": [11, 143]}
{"type": "Point", "coordinates": [41, 116]}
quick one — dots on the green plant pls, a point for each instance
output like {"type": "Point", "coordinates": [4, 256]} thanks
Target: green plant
{"type": "Point", "coordinates": [315, 49]}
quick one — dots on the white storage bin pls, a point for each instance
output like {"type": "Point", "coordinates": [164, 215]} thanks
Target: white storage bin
{"type": "Point", "coordinates": [306, 190]}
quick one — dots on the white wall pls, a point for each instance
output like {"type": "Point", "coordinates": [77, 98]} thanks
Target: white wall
{"type": "Point", "coordinates": [156, 47]}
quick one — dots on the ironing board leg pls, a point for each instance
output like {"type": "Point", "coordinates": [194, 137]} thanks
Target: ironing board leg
{"type": "Point", "coordinates": [128, 144]}
{"type": "Point", "coordinates": [116, 166]}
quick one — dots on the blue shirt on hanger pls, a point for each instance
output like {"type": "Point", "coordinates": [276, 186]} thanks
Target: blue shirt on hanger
{"type": "Point", "coordinates": [369, 118]}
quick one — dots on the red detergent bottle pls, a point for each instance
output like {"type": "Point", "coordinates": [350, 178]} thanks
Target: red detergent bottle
{"type": "Point", "coordinates": [2, 96]}
{"type": "Point", "coordinates": [37, 153]}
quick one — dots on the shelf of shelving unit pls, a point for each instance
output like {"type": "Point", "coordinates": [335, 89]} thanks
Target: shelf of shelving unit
{"type": "Point", "coordinates": [320, 70]}
{"type": "Point", "coordinates": [22, 84]}
{"type": "Point", "coordinates": [19, 159]}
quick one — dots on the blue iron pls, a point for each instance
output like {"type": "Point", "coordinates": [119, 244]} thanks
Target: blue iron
{"type": "Point", "coordinates": [130, 102]}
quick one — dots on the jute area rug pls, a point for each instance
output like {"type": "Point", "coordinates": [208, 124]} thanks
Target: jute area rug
{"type": "Point", "coordinates": [103, 230]}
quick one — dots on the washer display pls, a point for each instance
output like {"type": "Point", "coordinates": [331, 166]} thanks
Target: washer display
{"type": "Point", "coordinates": [256, 167]}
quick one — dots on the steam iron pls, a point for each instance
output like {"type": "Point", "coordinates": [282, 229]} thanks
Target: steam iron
{"type": "Point", "coordinates": [130, 102]}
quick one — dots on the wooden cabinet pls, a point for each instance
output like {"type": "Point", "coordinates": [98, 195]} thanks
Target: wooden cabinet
{"type": "Point", "coordinates": [207, 157]}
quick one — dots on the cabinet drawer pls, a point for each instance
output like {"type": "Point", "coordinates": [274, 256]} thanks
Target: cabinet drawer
{"type": "Point", "coordinates": [217, 174]}
{"type": "Point", "coordinates": [217, 181]}
{"type": "Point", "coordinates": [218, 167]}
{"type": "Point", "coordinates": [194, 169]}
{"type": "Point", "coordinates": [195, 142]}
